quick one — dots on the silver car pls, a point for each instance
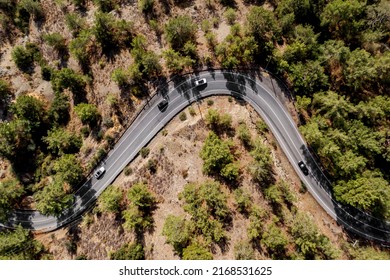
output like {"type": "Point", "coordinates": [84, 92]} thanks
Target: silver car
{"type": "Point", "coordinates": [98, 173]}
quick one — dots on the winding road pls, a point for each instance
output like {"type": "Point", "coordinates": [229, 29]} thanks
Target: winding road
{"type": "Point", "coordinates": [181, 94]}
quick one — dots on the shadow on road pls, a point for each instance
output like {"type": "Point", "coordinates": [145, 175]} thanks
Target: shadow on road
{"type": "Point", "coordinates": [84, 198]}
{"type": "Point", "coordinates": [354, 220]}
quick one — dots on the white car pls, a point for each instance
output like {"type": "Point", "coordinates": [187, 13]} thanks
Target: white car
{"type": "Point", "coordinates": [200, 82]}
{"type": "Point", "coordinates": [98, 173]}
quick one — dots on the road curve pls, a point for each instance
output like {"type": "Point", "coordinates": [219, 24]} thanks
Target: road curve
{"type": "Point", "coordinates": [180, 95]}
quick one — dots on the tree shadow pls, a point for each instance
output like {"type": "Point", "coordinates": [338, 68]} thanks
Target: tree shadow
{"type": "Point", "coordinates": [184, 3]}
{"type": "Point", "coordinates": [84, 199]}
{"type": "Point", "coordinates": [166, 7]}
{"type": "Point", "coordinates": [183, 86]}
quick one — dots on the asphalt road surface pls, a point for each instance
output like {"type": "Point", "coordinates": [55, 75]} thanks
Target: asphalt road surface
{"type": "Point", "coordinates": [181, 94]}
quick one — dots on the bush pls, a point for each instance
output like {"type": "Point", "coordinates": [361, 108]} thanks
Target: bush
{"type": "Point", "coordinates": [257, 218]}
{"type": "Point", "coordinates": [69, 169]}
{"type": "Point", "coordinates": [133, 251]}
{"type": "Point", "coordinates": [230, 172]}
{"type": "Point", "coordinates": [244, 135]}
{"type": "Point", "coordinates": [197, 251]}
{"type": "Point", "coordinates": [144, 152]}
{"type": "Point", "coordinates": [275, 240]}
{"type": "Point", "coordinates": [75, 23]}
{"type": "Point", "coordinates": [80, 48]}
{"type": "Point", "coordinates": [138, 215]}
{"type": "Point", "coordinates": [140, 196]}
{"type": "Point", "coordinates": [261, 127]}
{"type": "Point", "coordinates": [145, 5]}
{"type": "Point", "coordinates": [66, 78]}
{"type": "Point", "coordinates": [205, 26]}
{"type": "Point", "coordinates": [192, 112]}
{"type": "Point", "coordinates": [5, 90]}
{"type": "Point", "coordinates": [88, 113]}
{"type": "Point", "coordinates": [309, 241]}
{"type": "Point", "coordinates": [180, 30]}
{"type": "Point", "coordinates": [32, 110]}
{"type": "Point", "coordinates": [110, 199]}
{"type": "Point", "coordinates": [60, 141]}
{"type": "Point", "coordinates": [52, 200]}
{"type": "Point", "coordinates": [216, 121]}
{"type": "Point", "coordinates": [128, 171]}
{"type": "Point", "coordinates": [121, 77]}
{"type": "Point", "coordinates": [32, 7]}
{"type": "Point", "coordinates": [177, 232]}
{"type": "Point", "coordinates": [183, 116]}
{"type": "Point", "coordinates": [46, 72]}
{"type": "Point", "coordinates": [215, 154]}
{"type": "Point", "coordinates": [151, 165]}
{"type": "Point", "coordinates": [55, 40]}
{"type": "Point", "coordinates": [85, 130]}
{"type": "Point", "coordinates": [243, 201]}
{"type": "Point", "coordinates": [24, 56]}
{"type": "Point", "coordinates": [230, 15]}
{"type": "Point", "coordinates": [207, 205]}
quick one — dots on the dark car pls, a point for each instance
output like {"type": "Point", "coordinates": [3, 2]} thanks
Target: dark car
{"type": "Point", "coordinates": [303, 167]}
{"type": "Point", "coordinates": [98, 173]}
{"type": "Point", "coordinates": [163, 104]}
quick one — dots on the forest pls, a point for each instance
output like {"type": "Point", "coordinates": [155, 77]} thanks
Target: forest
{"type": "Point", "coordinates": [334, 56]}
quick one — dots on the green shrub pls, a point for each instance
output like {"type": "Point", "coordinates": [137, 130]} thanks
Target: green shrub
{"type": "Point", "coordinates": [244, 135]}
{"type": "Point", "coordinates": [197, 251]}
{"type": "Point", "coordinates": [151, 165]}
{"type": "Point", "coordinates": [32, 7]}
{"type": "Point", "coordinates": [88, 113]}
{"type": "Point", "coordinates": [110, 199]}
{"type": "Point", "coordinates": [25, 56]}
{"type": "Point", "coordinates": [205, 25]}
{"type": "Point", "coordinates": [230, 15]}
{"type": "Point", "coordinates": [192, 112]}
{"type": "Point", "coordinates": [75, 23]}
{"type": "Point", "coordinates": [55, 40]}
{"type": "Point", "coordinates": [144, 152]}
{"type": "Point", "coordinates": [180, 30]}
{"type": "Point", "coordinates": [67, 78]}
{"type": "Point", "coordinates": [133, 251]}
{"type": "Point", "coordinates": [177, 231]}
{"type": "Point", "coordinates": [46, 72]}
{"type": "Point", "coordinates": [85, 130]}
{"type": "Point", "coordinates": [121, 77]}
{"type": "Point", "coordinates": [207, 204]}
{"type": "Point", "coordinates": [128, 171]}
{"type": "Point", "coordinates": [145, 6]}
{"type": "Point", "coordinates": [138, 215]}
{"type": "Point", "coordinates": [215, 154]}
{"type": "Point", "coordinates": [243, 201]}
{"type": "Point", "coordinates": [230, 172]}
{"type": "Point", "coordinates": [5, 90]}
{"type": "Point", "coordinates": [261, 127]}
{"type": "Point", "coordinates": [183, 116]}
